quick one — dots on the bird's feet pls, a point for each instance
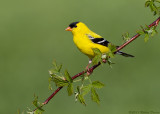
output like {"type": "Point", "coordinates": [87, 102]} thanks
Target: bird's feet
{"type": "Point", "coordinates": [89, 70]}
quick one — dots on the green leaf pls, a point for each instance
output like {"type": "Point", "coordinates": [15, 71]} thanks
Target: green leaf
{"type": "Point", "coordinates": [158, 1]}
{"type": "Point", "coordinates": [111, 54]}
{"type": "Point", "coordinates": [78, 89]}
{"type": "Point", "coordinates": [94, 95]}
{"type": "Point", "coordinates": [158, 10]}
{"type": "Point", "coordinates": [112, 50]}
{"type": "Point", "coordinates": [38, 112]}
{"type": "Point", "coordinates": [96, 51]}
{"type": "Point", "coordinates": [70, 89]}
{"type": "Point", "coordinates": [53, 72]}
{"type": "Point", "coordinates": [98, 56]}
{"type": "Point", "coordinates": [147, 27]}
{"type": "Point", "coordinates": [81, 99]}
{"type": "Point", "coordinates": [38, 106]}
{"type": "Point", "coordinates": [35, 101]}
{"type": "Point", "coordinates": [50, 85]}
{"type": "Point", "coordinates": [109, 62]}
{"type": "Point", "coordinates": [153, 33]}
{"type": "Point", "coordinates": [112, 47]}
{"type": "Point", "coordinates": [125, 36]}
{"type": "Point", "coordinates": [96, 59]}
{"type": "Point", "coordinates": [147, 3]}
{"type": "Point", "coordinates": [140, 32]}
{"type": "Point", "coordinates": [54, 63]}
{"type": "Point", "coordinates": [152, 7]}
{"type": "Point", "coordinates": [57, 67]}
{"type": "Point", "coordinates": [60, 81]}
{"type": "Point", "coordinates": [86, 89]}
{"type": "Point", "coordinates": [79, 96]}
{"type": "Point", "coordinates": [146, 38]}
{"type": "Point", "coordinates": [68, 77]}
{"type": "Point", "coordinates": [97, 84]}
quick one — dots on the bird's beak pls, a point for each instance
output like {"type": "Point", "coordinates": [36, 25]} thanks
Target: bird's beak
{"type": "Point", "coordinates": [68, 29]}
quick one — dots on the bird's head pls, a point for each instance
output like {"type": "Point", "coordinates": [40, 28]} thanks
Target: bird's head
{"type": "Point", "coordinates": [77, 27]}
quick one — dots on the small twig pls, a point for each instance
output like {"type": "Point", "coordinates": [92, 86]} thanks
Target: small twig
{"type": "Point", "coordinates": [155, 23]}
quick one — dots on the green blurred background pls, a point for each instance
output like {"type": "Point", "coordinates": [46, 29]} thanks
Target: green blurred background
{"type": "Point", "coordinates": [32, 35]}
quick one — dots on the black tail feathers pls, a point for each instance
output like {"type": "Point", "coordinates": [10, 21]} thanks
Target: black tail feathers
{"type": "Point", "coordinates": [124, 54]}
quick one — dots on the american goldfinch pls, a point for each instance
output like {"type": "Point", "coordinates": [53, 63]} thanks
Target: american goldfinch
{"type": "Point", "coordinates": [86, 40]}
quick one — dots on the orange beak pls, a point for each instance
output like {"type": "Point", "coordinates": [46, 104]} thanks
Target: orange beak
{"type": "Point", "coordinates": [68, 29]}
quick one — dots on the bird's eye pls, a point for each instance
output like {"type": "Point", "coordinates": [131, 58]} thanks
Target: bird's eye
{"type": "Point", "coordinates": [73, 25]}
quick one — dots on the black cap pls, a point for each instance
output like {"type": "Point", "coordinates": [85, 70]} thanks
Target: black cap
{"type": "Point", "coordinates": [74, 24]}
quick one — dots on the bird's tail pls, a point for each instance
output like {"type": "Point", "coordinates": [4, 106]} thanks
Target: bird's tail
{"type": "Point", "coordinates": [124, 54]}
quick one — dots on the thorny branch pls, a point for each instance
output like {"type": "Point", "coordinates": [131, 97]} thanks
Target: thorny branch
{"type": "Point", "coordinates": [155, 23]}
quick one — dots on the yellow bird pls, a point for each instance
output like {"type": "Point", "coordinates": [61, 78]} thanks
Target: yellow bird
{"type": "Point", "coordinates": [86, 40]}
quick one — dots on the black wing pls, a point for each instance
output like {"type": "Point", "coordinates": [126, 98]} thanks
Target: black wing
{"type": "Point", "coordinates": [104, 42]}
{"type": "Point", "coordinates": [100, 41]}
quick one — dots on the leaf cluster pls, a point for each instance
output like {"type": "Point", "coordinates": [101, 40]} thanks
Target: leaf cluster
{"type": "Point", "coordinates": [38, 106]}
{"type": "Point", "coordinates": [61, 79]}
{"type": "Point", "coordinates": [152, 4]}
{"type": "Point", "coordinates": [90, 88]}
{"type": "Point", "coordinates": [126, 37]}
{"type": "Point", "coordinates": [147, 32]}
{"type": "Point", "coordinates": [97, 56]}
{"type": "Point", "coordinates": [64, 79]}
